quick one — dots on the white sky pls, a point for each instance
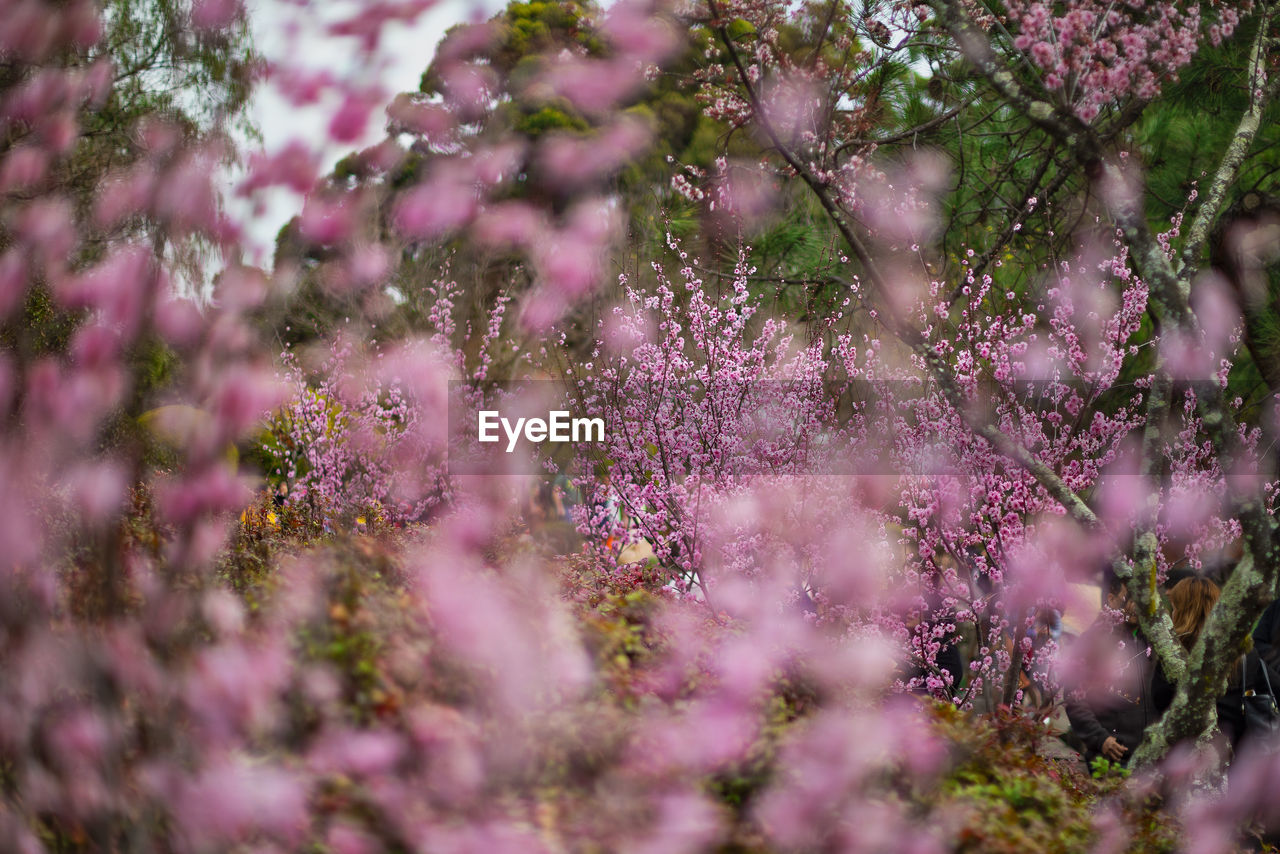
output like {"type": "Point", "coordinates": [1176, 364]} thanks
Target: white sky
{"type": "Point", "coordinates": [294, 33]}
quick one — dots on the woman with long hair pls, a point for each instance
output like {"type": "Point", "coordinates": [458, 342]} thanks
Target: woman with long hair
{"type": "Point", "coordinates": [1190, 601]}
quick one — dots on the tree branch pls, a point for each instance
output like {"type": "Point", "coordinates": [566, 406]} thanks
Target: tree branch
{"type": "Point", "coordinates": [974, 43]}
{"type": "Point", "coordinates": [1260, 95]}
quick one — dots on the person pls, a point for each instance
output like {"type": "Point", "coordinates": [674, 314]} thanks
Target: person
{"type": "Point", "coordinates": [1266, 640]}
{"type": "Point", "coordinates": [565, 496]}
{"type": "Point", "coordinates": [1190, 601]}
{"type": "Point", "coordinates": [1177, 573]}
{"type": "Point", "coordinates": [1108, 720]}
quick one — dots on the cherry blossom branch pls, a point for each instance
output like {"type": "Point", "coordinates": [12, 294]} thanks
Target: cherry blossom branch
{"type": "Point", "coordinates": [1251, 585]}
{"type": "Point", "coordinates": [819, 188]}
{"type": "Point", "coordinates": [1169, 303]}
{"type": "Point", "coordinates": [1154, 621]}
{"type": "Point", "coordinates": [977, 48]}
{"type": "Point", "coordinates": [1170, 287]}
{"type": "Point", "coordinates": [1084, 143]}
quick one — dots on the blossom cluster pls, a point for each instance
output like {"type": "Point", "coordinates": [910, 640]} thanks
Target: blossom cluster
{"type": "Point", "coordinates": [338, 449]}
{"type": "Point", "coordinates": [1097, 54]}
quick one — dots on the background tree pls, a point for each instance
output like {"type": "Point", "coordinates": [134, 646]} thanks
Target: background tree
{"type": "Point", "coordinates": [1078, 92]}
{"type": "Point", "coordinates": [190, 666]}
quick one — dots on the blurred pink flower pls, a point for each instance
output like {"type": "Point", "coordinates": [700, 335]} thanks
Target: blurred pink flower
{"type": "Point", "coordinates": [234, 801]}
{"type": "Point", "coordinates": [215, 14]}
{"type": "Point", "coordinates": [436, 206]}
{"type": "Point", "coordinates": [352, 116]}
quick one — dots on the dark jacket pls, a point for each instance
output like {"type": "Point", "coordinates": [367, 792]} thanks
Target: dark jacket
{"type": "Point", "coordinates": [1266, 639]}
{"type": "Point", "coordinates": [1123, 711]}
{"type": "Point", "coordinates": [1230, 704]}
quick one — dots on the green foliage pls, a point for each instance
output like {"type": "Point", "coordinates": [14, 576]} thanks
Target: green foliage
{"type": "Point", "coordinates": [351, 648]}
{"type": "Point", "coordinates": [1184, 138]}
{"type": "Point", "coordinates": [1000, 790]}
{"type": "Point", "coordinates": [538, 27]}
{"type": "Point", "coordinates": [526, 31]}
{"type": "Point", "coordinates": [41, 327]}
{"type": "Point", "coordinates": [1008, 795]}
{"type": "Point", "coordinates": [549, 118]}
{"type": "Point", "coordinates": [1102, 768]}
{"type": "Point", "coordinates": [164, 69]}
